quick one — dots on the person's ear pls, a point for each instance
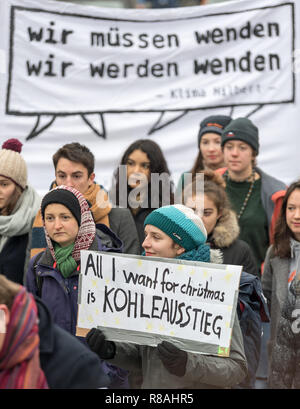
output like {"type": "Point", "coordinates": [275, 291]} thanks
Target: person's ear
{"type": "Point", "coordinates": [4, 318]}
{"type": "Point", "coordinates": [179, 249]}
{"type": "Point", "coordinates": [92, 177]}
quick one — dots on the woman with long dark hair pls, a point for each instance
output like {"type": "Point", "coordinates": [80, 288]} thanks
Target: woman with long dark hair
{"type": "Point", "coordinates": [280, 285]}
{"type": "Point", "coordinates": [149, 184]}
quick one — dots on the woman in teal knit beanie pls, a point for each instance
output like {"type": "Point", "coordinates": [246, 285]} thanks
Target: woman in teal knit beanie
{"type": "Point", "coordinates": [177, 232]}
{"type": "Point", "coordinates": [174, 232]}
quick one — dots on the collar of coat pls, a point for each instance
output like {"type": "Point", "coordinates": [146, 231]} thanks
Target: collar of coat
{"type": "Point", "coordinates": [226, 230]}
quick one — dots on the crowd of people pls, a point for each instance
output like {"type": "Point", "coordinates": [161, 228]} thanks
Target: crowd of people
{"type": "Point", "coordinates": [240, 216]}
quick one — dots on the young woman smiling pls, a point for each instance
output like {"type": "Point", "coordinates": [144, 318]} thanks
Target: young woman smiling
{"type": "Point", "coordinates": [175, 232]}
{"type": "Point", "coordinates": [280, 283]}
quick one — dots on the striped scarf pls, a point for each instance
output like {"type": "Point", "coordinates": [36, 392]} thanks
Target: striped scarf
{"type": "Point", "coordinates": [19, 356]}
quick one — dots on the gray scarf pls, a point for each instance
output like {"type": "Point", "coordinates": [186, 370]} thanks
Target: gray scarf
{"type": "Point", "coordinates": [22, 217]}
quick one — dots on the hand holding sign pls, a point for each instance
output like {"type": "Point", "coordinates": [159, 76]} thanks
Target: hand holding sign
{"type": "Point", "coordinates": [173, 358]}
{"type": "Point", "coordinates": [99, 344]}
{"type": "Point", "coordinates": [146, 300]}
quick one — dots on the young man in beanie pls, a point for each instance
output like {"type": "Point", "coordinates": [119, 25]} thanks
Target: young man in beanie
{"type": "Point", "coordinates": [254, 195]}
{"type": "Point", "coordinates": [19, 203]}
{"type": "Point", "coordinates": [175, 232]}
{"type": "Point", "coordinates": [210, 155]}
{"type": "Point", "coordinates": [74, 166]}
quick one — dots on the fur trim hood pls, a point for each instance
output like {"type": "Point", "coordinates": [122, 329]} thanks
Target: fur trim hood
{"type": "Point", "coordinates": [226, 231]}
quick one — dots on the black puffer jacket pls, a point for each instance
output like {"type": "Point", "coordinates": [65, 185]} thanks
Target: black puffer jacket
{"type": "Point", "coordinates": [285, 366]}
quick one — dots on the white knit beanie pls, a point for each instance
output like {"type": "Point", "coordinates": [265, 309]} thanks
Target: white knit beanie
{"type": "Point", "coordinates": [12, 165]}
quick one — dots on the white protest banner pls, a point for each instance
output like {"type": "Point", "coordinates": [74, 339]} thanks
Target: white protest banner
{"type": "Point", "coordinates": [106, 77]}
{"type": "Point", "coordinates": [145, 300]}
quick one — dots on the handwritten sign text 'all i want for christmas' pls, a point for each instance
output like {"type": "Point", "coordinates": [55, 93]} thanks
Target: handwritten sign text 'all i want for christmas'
{"type": "Point", "coordinates": [145, 300]}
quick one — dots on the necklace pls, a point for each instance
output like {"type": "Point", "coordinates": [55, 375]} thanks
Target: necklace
{"type": "Point", "coordinates": [242, 209]}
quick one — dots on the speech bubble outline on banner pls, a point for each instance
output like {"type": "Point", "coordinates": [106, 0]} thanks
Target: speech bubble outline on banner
{"type": "Point", "coordinates": [45, 118]}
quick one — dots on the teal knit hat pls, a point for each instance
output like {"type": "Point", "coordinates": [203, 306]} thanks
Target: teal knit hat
{"type": "Point", "coordinates": [180, 223]}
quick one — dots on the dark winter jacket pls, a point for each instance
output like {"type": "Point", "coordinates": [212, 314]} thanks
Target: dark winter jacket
{"type": "Point", "coordinates": [252, 311]}
{"type": "Point", "coordinates": [139, 219]}
{"type": "Point", "coordinates": [12, 258]}
{"type": "Point", "coordinates": [61, 294]}
{"type": "Point", "coordinates": [285, 364]}
{"type": "Point", "coordinates": [122, 224]}
{"type": "Point", "coordinates": [67, 362]}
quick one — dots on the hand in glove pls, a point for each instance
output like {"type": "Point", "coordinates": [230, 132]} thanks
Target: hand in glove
{"type": "Point", "coordinates": [99, 344]}
{"type": "Point", "coordinates": [173, 358]}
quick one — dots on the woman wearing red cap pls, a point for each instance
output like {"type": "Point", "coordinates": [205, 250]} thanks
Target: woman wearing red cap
{"type": "Point", "coordinates": [19, 203]}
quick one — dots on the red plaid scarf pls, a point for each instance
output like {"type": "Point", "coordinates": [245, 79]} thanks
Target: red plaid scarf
{"type": "Point", "coordinates": [19, 356]}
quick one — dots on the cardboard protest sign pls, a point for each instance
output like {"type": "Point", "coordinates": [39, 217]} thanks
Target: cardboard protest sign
{"type": "Point", "coordinates": [146, 299]}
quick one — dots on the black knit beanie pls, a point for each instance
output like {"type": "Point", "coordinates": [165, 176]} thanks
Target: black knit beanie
{"type": "Point", "coordinates": [64, 197]}
{"type": "Point", "coordinates": [213, 123]}
{"type": "Point", "coordinates": [241, 129]}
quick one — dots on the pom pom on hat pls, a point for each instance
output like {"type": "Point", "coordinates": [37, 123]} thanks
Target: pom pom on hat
{"type": "Point", "coordinates": [180, 223]}
{"type": "Point", "coordinates": [12, 164]}
{"type": "Point", "coordinates": [13, 145]}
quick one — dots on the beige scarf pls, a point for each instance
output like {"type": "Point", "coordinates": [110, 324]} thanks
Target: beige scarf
{"type": "Point", "coordinates": [101, 206]}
